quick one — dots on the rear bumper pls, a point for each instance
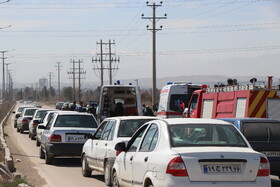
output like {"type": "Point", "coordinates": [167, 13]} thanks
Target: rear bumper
{"type": "Point", "coordinates": [64, 149]}
{"type": "Point", "coordinates": [184, 181]}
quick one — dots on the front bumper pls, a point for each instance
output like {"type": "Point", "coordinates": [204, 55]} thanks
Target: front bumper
{"type": "Point", "coordinates": [64, 149]}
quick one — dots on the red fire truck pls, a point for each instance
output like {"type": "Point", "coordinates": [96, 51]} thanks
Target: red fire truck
{"type": "Point", "coordinates": [236, 101]}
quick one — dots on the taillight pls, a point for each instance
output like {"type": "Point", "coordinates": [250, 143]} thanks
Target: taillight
{"type": "Point", "coordinates": [118, 152]}
{"type": "Point", "coordinates": [264, 169]}
{"type": "Point", "coordinates": [25, 120]}
{"type": "Point", "coordinates": [176, 167]}
{"type": "Point", "coordinates": [35, 124]}
{"type": "Point", "coordinates": [55, 138]}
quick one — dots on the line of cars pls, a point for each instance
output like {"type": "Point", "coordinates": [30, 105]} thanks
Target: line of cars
{"type": "Point", "coordinates": [149, 151]}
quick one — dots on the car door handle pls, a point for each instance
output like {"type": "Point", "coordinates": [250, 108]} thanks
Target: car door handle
{"type": "Point", "coordinates": [146, 159]}
{"type": "Point", "coordinates": [131, 158]}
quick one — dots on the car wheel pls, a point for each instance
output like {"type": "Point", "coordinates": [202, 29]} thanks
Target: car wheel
{"type": "Point", "coordinates": [37, 142]}
{"type": "Point", "coordinates": [115, 182]}
{"type": "Point", "coordinates": [21, 131]}
{"type": "Point", "coordinates": [108, 173]}
{"type": "Point", "coordinates": [149, 184]}
{"type": "Point", "coordinates": [86, 171]}
{"type": "Point", "coordinates": [48, 158]}
{"type": "Point", "coordinates": [42, 154]}
{"type": "Point", "coordinates": [17, 129]}
{"type": "Point", "coordinates": [32, 137]}
{"type": "Point", "coordinates": [29, 135]}
{"type": "Point", "coordinates": [15, 125]}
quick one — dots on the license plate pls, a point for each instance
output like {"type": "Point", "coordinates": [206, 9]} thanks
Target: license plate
{"type": "Point", "coordinates": [222, 168]}
{"type": "Point", "coordinates": [272, 154]}
{"type": "Point", "coordinates": [75, 138]}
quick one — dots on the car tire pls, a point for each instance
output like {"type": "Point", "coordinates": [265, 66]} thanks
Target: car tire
{"type": "Point", "coordinates": [41, 153]}
{"type": "Point", "coordinates": [32, 137]}
{"type": "Point", "coordinates": [48, 158]}
{"type": "Point", "coordinates": [17, 129]}
{"type": "Point", "coordinates": [21, 131]}
{"type": "Point", "coordinates": [115, 181]}
{"type": "Point", "coordinates": [37, 142]}
{"type": "Point", "coordinates": [29, 135]}
{"type": "Point", "coordinates": [15, 125]}
{"type": "Point", "coordinates": [108, 173]}
{"type": "Point", "coordinates": [86, 171]}
{"type": "Point", "coordinates": [149, 184]}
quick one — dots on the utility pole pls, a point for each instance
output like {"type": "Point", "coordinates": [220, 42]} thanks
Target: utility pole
{"type": "Point", "coordinates": [109, 57]}
{"type": "Point", "coordinates": [58, 78]}
{"type": "Point", "coordinates": [50, 84]}
{"type": "Point", "coordinates": [73, 71]}
{"type": "Point", "coordinates": [154, 20]}
{"type": "Point", "coordinates": [3, 74]}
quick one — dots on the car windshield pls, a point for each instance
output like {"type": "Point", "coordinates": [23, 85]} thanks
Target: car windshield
{"type": "Point", "coordinates": [183, 135]}
{"type": "Point", "coordinates": [262, 131]}
{"type": "Point", "coordinates": [84, 121]}
{"type": "Point", "coordinates": [128, 127]}
{"type": "Point", "coordinates": [30, 112]}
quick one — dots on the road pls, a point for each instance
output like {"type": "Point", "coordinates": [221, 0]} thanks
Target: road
{"type": "Point", "coordinates": [64, 172]}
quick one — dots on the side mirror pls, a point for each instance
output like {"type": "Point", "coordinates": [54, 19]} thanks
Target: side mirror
{"type": "Point", "coordinates": [41, 127]}
{"type": "Point", "coordinates": [120, 146]}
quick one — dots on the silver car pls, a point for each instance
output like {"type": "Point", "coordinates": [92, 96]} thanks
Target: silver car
{"type": "Point", "coordinates": [64, 134]}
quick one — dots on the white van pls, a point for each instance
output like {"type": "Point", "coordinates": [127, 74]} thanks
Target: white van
{"type": "Point", "coordinates": [128, 96]}
{"type": "Point", "coordinates": [174, 98]}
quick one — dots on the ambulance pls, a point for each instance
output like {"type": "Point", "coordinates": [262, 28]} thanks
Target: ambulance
{"type": "Point", "coordinates": [174, 97]}
{"type": "Point", "coordinates": [112, 95]}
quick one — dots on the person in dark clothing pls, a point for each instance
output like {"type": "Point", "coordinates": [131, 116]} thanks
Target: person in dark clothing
{"type": "Point", "coordinates": [73, 106]}
{"type": "Point", "coordinates": [119, 110]}
{"type": "Point", "coordinates": [148, 111]}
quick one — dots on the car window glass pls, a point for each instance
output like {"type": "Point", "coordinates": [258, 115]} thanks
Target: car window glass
{"type": "Point", "coordinates": [205, 135]}
{"type": "Point", "coordinates": [81, 121]}
{"type": "Point", "coordinates": [48, 126]}
{"type": "Point", "coordinates": [254, 131]}
{"type": "Point", "coordinates": [100, 129]}
{"type": "Point", "coordinates": [111, 135]}
{"type": "Point", "coordinates": [274, 129]}
{"type": "Point", "coordinates": [128, 127]}
{"type": "Point", "coordinates": [107, 130]}
{"type": "Point", "coordinates": [150, 139]}
{"type": "Point", "coordinates": [135, 140]}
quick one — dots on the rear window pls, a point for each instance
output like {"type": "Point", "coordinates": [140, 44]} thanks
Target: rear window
{"type": "Point", "coordinates": [129, 127]}
{"type": "Point", "coordinates": [184, 135]}
{"type": "Point", "coordinates": [261, 131]}
{"type": "Point", "coordinates": [40, 113]}
{"type": "Point", "coordinates": [83, 121]}
{"type": "Point", "coordinates": [29, 112]}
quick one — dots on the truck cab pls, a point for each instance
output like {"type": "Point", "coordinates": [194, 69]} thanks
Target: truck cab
{"type": "Point", "coordinates": [113, 97]}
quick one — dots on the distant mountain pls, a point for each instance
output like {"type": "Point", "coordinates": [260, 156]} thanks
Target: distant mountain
{"type": "Point", "coordinates": [146, 83]}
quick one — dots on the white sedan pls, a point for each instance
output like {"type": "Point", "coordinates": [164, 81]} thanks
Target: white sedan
{"type": "Point", "coordinates": [189, 152]}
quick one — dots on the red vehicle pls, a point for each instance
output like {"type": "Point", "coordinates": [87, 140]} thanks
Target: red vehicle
{"type": "Point", "coordinates": [235, 102]}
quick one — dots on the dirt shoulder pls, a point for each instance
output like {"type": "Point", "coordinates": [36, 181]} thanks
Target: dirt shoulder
{"type": "Point", "coordinates": [23, 163]}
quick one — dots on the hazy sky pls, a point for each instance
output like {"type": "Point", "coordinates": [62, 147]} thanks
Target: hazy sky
{"type": "Point", "coordinates": [223, 37]}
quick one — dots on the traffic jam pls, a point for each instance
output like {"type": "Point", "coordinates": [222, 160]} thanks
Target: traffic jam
{"type": "Point", "coordinates": [198, 136]}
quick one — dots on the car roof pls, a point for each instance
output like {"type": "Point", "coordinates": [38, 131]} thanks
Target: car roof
{"type": "Point", "coordinates": [176, 121]}
{"type": "Point", "coordinates": [251, 119]}
{"type": "Point", "coordinates": [132, 117]}
{"type": "Point", "coordinates": [72, 113]}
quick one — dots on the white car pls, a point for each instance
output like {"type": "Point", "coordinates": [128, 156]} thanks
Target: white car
{"type": "Point", "coordinates": [99, 150]}
{"type": "Point", "coordinates": [44, 121]}
{"type": "Point", "coordinates": [189, 152]}
{"type": "Point", "coordinates": [37, 118]}
{"type": "Point", "coordinates": [24, 119]}
{"type": "Point", "coordinates": [64, 134]}
{"type": "Point", "coordinates": [18, 112]}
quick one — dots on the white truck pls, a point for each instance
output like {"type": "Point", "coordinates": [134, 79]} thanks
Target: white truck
{"type": "Point", "coordinates": [128, 96]}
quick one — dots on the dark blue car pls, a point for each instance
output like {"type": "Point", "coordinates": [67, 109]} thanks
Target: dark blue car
{"type": "Point", "coordinates": [264, 136]}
